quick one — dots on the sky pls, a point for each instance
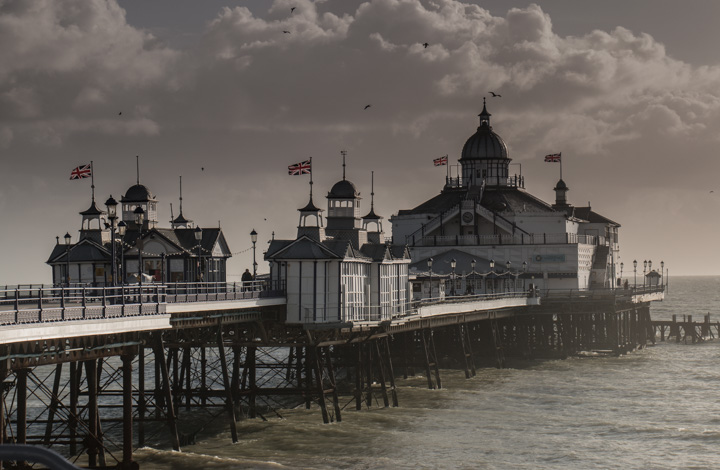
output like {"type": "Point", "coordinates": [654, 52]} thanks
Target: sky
{"type": "Point", "coordinates": [216, 92]}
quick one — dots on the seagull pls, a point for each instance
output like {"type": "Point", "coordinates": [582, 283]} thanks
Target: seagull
{"type": "Point", "coordinates": [286, 32]}
{"type": "Point", "coordinates": [367, 106]}
{"type": "Point", "coordinates": [425, 45]}
{"type": "Point", "coordinates": [712, 191]}
{"type": "Point", "coordinates": [120, 113]}
{"type": "Point", "coordinates": [292, 9]}
{"type": "Point", "coordinates": [495, 95]}
{"type": "Point", "coordinates": [202, 168]}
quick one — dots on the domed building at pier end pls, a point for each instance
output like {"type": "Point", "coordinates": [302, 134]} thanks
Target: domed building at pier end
{"type": "Point", "coordinates": [491, 230]}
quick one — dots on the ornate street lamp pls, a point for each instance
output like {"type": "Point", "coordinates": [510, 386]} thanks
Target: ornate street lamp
{"type": "Point", "coordinates": [139, 221]}
{"type": "Point", "coordinates": [111, 205]}
{"type": "Point", "coordinates": [453, 263]}
{"type": "Point", "coordinates": [429, 263]}
{"type": "Point", "coordinates": [492, 271]}
{"type": "Point", "coordinates": [662, 273]}
{"type": "Point", "coordinates": [198, 238]}
{"type": "Point", "coordinates": [644, 271]}
{"type": "Point", "coordinates": [253, 239]}
{"type": "Point", "coordinates": [121, 228]}
{"type": "Point", "coordinates": [635, 273]}
{"type": "Point", "coordinates": [474, 277]}
{"type": "Point", "coordinates": [67, 238]}
{"type": "Point", "coordinates": [507, 282]}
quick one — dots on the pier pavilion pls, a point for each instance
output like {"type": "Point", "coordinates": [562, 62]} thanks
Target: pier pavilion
{"type": "Point", "coordinates": [344, 272]}
{"type": "Point", "coordinates": [485, 218]}
{"type": "Point", "coordinates": [182, 253]}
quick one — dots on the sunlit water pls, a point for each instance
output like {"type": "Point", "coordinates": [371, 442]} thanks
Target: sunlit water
{"type": "Point", "coordinates": [655, 408]}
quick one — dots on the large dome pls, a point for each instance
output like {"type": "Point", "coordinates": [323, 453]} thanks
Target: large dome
{"type": "Point", "coordinates": [138, 193]}
{"type": "Point", "coordinates": [343, 190]}
{"type": "Point", "coordinates": [484, 144]}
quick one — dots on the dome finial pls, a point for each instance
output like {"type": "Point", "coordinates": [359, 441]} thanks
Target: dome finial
{"type": "Point", "coordinates": [344, 154]}
{"type": "Point", "coordinates": [484, 115]}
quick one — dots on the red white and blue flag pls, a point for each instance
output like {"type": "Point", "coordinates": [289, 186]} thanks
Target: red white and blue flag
{"type": "Point", "coordinates": [302, 168]}
{"type": "Point", "coordinates": [83, 171]}
{"type": "Point", "coordinates": [440, 161]}
{"type": "Point", "coordinates": [553, 157]}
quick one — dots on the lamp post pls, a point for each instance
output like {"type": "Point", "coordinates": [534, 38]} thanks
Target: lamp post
{"type": "Point", "coordinates": [139, 220]}
{"type": "Point", "coordinates": [644, 271]}
{"type": "Point", "coordinates": [67, 238]}
{"type": "Point", "coordinates": [524, 270]}
{"type": "Point", "coordinates": [122, 226]}
{"type": "Point", "coordinates": [622, 265]}
{"type": "Point", "coordinates": [492, 271]}
{"type": "Point", "coordinates": [111, 205]}
{"type": "Point", "coordinates": [429, 263]}
{"type": "Point", "coordinates": [198, 238]}
{"type": "Point", "coordinates": [472, 268]}
{"type": "Point", "coordinates": [635, 273]}
{"type": "Point", "coordinates": [662, 273]}
{"type": "Point", "coordinates": [453, 263]}
{"type": "Point", "coordinates": [507, 283]}
{"type": "Point", "coordinates": [253, 239]}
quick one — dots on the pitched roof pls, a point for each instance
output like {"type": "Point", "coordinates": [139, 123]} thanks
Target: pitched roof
{"type": "Point", "coordinates": [302, 248]}
{"type": "Point", "coordinates": [588, 214]}
{"type": "Point", "coordinates": [84, 250]}
{"type": "Point", "coordinates": [443, 201]}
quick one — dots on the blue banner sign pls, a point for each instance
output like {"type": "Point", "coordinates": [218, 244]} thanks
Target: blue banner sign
{"type": "Point", "coordinates": [550, 258]}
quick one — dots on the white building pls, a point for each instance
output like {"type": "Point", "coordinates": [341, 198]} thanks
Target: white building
{"type": "Point", "coordinates": [486, 214]}
{"type": "Point", "coordinates": [344, 272]}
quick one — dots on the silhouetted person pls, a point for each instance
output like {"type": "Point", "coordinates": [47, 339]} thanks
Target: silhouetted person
{"type": "Point", "coordinates": [246, 279]}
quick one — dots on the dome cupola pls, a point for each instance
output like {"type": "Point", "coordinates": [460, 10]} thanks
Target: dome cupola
{"type": "Point", "coordinates": [484, 156]}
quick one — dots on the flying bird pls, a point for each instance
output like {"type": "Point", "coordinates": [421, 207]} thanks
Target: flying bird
{"type": "Point", "coordinates": [286, 32]}
{"type": "Point", "coordinates": [425, 45]}
{"type": "Point", "coordinates": [367, 106]}
{"type": "Point", "coordinates": [120, 113]}
{"type": "Point", "coordinates": [202, 168]}
{"type": "Point", "coordinates": [292, 9]}
{"type": "Point", "coordinates": [712, 191]}
{"type": "Point", "coordinates": [495, 95]}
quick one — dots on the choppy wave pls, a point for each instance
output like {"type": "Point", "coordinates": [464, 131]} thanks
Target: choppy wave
{"type": "Point", "coordinates": [654, 408]}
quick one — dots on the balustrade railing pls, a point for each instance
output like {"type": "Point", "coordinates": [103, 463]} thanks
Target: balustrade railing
{"type": "Point", "coordinates": [39, 304]}
{"type": "Point", "coordinates": [219, 291]}
{"type": "Point", "coordinates": [517, 239]}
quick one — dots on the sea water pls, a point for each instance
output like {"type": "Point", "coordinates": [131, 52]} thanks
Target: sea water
{"type": "Point", "coordinates": [656, 408]}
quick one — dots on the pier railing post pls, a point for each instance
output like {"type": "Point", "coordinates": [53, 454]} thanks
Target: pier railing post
{"type": "Point", "coordinates": [127, 444]}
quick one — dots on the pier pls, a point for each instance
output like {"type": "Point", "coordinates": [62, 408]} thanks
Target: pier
{"type": "Point", "coordinates": [96, 372]}
{"type": "Point", "coordinates": [687, 329]}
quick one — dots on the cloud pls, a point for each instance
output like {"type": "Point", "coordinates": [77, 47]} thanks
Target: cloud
{"type": "Point", "coordinates": [77, 61]}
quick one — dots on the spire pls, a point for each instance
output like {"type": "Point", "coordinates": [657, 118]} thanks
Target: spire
{"type": "Point", "coordinates": [372, 190]}
{"type": "Point", "coordinates": [484, 115]}
{"type": "Point", "coordinates": [180, 194]}
{"type": "Point", "coordinates": [92, 180]}
{"type": "Point", "coordinates": [344, 154]}
{"type": "Point", "coordinates": [137, 167]}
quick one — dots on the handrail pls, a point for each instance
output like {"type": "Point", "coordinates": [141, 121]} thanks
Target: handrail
{"type": "Point", "coordinates": [377, 313]}
{"type": "Point", "coordinates": [564, 238]}
{"type": "Point", "coordinates": [52, 304]}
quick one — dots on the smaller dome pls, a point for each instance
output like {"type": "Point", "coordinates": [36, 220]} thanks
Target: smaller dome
{"type": "Point", "coordinates": [561, 186]}
{"type": "Point", "coordinates": [138, 193]}
{"type": "Point", "coordinates": [92, 210]}
{"type": "Point", "coordinates": [343, 190]}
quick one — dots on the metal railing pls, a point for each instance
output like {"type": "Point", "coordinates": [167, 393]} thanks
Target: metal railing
{"type": "Point", "coordinates": [40, 304]}
{"type": "Point", "coordinates": [603, 293]}
{"type": "Point", "coordinates": [517, 239]}
{"type": "Point", "coordinates": [378, 313]}
{"type": "Point", "coordinates": [220, 291]}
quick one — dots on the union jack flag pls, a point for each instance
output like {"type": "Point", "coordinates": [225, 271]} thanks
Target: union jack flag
{"type": "Point", "coordinates": [440, 161]}
{"type": "Point", "coordinates": [83, 171]}
{"type": "Point", "coordinates": [302, 168]}
{"type": "Point", "coordinates": [553, 157]}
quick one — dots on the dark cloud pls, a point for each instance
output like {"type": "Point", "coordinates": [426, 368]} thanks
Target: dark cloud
{"type": "Point", "coordinates": [244, 100]}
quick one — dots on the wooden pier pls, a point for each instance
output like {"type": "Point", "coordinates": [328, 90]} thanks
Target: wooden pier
{"type": "Point", "coordinates": [686, 330]}
{"type": "Point", "coordinates": [95, 396]}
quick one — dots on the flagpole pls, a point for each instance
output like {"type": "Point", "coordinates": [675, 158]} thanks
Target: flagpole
{"type": "Point", "coordinates": [560, 165]}
{"type": "Point", "coordinates": [92, 180]}
{"type": "Point", "coordinates": [447, 181]}
{"type": "Point", "coordinates": [311, 181]}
